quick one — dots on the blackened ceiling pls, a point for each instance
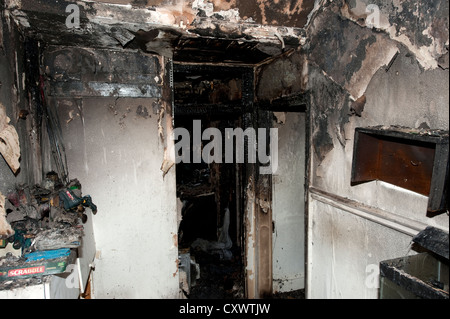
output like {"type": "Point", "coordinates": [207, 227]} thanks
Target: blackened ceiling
{"type": "Point", "coordinates": [201, 31]}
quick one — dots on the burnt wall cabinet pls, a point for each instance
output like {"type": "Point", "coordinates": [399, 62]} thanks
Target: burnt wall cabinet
{"type": "Point", "coordinates": [413, 159]}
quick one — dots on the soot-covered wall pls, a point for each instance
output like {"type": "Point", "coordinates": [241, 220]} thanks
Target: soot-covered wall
{"type": "Point", "coordinates": [360, 74]}
{"type": "Point", "coordinates": [115, 120]}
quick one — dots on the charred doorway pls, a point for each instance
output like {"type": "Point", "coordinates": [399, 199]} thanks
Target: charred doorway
{"type": "Point", "coordinates": [210, 191]}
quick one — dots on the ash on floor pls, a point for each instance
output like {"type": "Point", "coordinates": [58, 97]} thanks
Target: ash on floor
{"type": "Point", "coordinates": [224, 279]}
{"type": "Point", "coordinates": [220, 279]}
{"type": "Point", "coordinates": [296, 294]}
{"type": "Point", "coordinates": [25, 282]}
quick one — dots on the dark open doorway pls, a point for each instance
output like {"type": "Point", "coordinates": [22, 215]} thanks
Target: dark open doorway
{"type": "Point", "coordinates": [241, 231]}
{"type": "Point", "coordinates": [210, 194]}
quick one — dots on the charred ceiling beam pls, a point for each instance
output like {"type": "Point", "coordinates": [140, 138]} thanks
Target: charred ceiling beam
{"type": "Point", "coordinates": [293, 103]}
{"type": "Point", "coordinates": [213, 109]}
{"type": "Point", "coordinates": [162, 27]}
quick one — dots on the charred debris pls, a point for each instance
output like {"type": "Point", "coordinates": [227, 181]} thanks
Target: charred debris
{"type": "Point", "coordinates": [47, 222]}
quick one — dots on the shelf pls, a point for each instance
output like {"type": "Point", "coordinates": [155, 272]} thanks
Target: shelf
{"type": "Point", "coordinates": [413, 159]}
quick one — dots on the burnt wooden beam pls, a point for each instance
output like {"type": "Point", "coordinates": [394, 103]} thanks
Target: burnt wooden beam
{"type": "Point", "coordinates": [210, 109]}
{"type": "Point", "coordinates": [292, 103]}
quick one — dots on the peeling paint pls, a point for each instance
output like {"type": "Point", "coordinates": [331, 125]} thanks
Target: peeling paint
{"type": "Point", "coordinates": [351, 64]}
{"type": "Point", "coordinates": [280, 116]}
{"type": "Point", "coordinates": [357, 107]}
{"type": "Point", "coordinates": [169, 148]}
{"type": "Point", "coordinates": [422, 28]}
{"type": "Point", "coordinates": [207, 9]}
{"type": "Point", "coordinates": [330, 103]}
{"type": "Point", "coordinates": [250, 240]}
{"type": "Point", "coordinates": [5, 228]}
{"type": "Point", "coordinates": [265, 205]}
{"type": "Point", "coordinates": [166, 128]}
{"type": "Point", "coordinates": [177, 263]}
{"type": "Point", "coordinates": [20, 18]}
{"type": "Point", "coordinates": [175, 240]}
{"type": "Point", "coordinates": [289, 13]}
{"type": "Point", "coordinates": [9, 141]}
{"type": "Point", "coordinates": [13, 3]}
{"type": "Point", "coordinates": [292, 13]}
{"type": "Point", "coordinates": [282, 77]}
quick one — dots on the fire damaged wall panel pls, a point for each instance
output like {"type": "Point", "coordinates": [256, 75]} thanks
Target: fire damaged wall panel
{"type": "Point", "coordinates": [402, 96]}
{"type": "Point", "coordinates": [116, 146]}
{"type": "Point", "coordinates": [18, 101]}
{"type": "Point", "coordinates": [9, 141]}
{"type": "Point", "coordinates": [288, 205]}
{"type": "Point", "coordinates": [117, 154]}
{"type": "Point", "coordinates": [400, 86]}
{"type": "Point", "coordinates": [114, 108]}
{"type": "Point", "coordinates": [330, 105]}
{"type": "Point", "coordinates": [65, 64]}
{"type": "Point", "coordinates": [81, 72]}
{"type": "Point", "coordinates": [285, 76]}
{"type": "Point", "coordinates": [349, 54]}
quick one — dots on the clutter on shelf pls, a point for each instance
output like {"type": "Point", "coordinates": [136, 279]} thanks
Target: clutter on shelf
{"type": "Point", "coordinates": [44, 228]}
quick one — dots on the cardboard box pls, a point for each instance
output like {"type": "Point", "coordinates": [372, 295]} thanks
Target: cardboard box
{"type": "Point", "coordinates": [38, 268]}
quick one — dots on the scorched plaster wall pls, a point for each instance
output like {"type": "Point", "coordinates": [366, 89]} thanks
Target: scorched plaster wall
{"type": "Point", "coordinates": [288, 186]}
{"type": "Point", "coordinates": [360, 77]}
{"type": "Point", "coordinates": [115, 147]}
{"type": "Point", "coordinates": [119, 160]}
{"type": "Point", "coordinates": [13, 99]}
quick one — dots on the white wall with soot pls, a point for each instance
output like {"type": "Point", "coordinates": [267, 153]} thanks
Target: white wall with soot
{"type": "Point", "coordinates": [288, 205]}
{"type": "Point", "coordinates": [351, 229]}
{"type": "Point", "coordinates": [117, 154]}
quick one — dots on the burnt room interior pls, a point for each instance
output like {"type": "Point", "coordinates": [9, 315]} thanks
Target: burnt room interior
{"type": "Point", "coordinates": [116, 122]}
